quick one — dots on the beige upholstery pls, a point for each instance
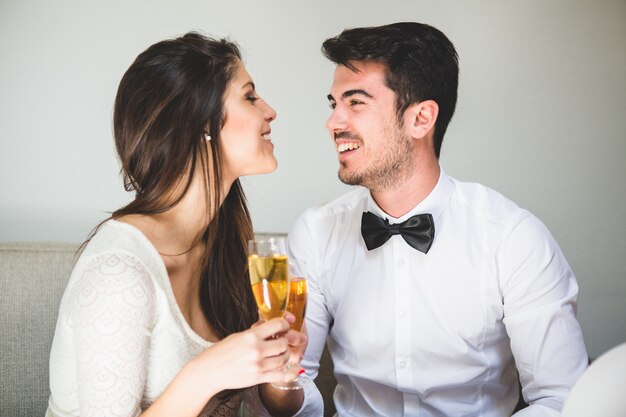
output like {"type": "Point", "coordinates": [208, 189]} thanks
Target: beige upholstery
{"type": "Point", "coordinates": [32, 279]}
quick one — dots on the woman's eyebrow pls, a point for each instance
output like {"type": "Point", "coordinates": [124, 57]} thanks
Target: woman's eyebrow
{"type": "Point", "coordinates": [248, 84]}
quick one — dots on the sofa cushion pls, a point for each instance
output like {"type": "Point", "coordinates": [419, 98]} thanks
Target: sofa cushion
{"type": "Point", "coordinates": [33, 277]}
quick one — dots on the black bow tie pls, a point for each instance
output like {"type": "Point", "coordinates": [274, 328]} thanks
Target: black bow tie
{"type": "Point", "coordinates": [418, 231]}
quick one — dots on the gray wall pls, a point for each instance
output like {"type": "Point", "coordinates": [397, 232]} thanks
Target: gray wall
{"type": "Point", "coordinates": [541, 114]}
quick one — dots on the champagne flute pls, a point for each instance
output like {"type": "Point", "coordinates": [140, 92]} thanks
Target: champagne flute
{"type": "Point", "coordinates": [298, 291]}
{"type": "Point", "coordinates": [296, 304]}
{"type": "Point", "coordinates": [269, 277]}
{"type": "Point", "coordinates": [268, 267]}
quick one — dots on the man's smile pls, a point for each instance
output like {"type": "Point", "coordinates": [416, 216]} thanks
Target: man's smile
{"type": "Point", "coordinates": [347, 146]}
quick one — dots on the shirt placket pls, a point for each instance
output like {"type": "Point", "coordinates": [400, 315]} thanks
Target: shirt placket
{"type": "Point", "coordinates": [404, 324]}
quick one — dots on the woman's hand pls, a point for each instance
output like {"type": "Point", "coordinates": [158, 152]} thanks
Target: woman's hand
{"type": "Point", "coordinates": [287, 402]}
{"type": "Point", "coordinates": [247, 358]}
{"type": "Point", "coordinates": [298, 340]}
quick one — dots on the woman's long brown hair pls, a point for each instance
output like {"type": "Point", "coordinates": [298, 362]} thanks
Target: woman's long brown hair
{"type": "Point", "coordinates": [166, 100]}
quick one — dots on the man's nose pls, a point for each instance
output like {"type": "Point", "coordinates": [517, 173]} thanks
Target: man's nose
{"type": "Point", "coordinates": [336, 121]}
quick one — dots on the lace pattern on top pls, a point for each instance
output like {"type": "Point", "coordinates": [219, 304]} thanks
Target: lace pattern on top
{"type": "Point", "coordinates": [111, 314]}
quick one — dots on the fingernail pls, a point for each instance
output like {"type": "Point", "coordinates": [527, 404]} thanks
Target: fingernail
{"type": "Point", "coordinates": [301, 371]}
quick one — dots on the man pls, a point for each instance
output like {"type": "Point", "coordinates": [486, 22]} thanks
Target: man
{"type": "Point", "coordinates": [433, 293]}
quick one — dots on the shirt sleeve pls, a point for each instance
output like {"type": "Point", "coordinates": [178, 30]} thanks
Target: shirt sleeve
{"type": "Point", "coordinates": [539, 297]}
{"type": "Point", "coordinates": [302, 246]}
{"type": "Point", "coordinates": [111, 316]}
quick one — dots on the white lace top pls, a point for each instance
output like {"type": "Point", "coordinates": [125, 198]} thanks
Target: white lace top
{"type": "Point", "coordinates": [120, 337]}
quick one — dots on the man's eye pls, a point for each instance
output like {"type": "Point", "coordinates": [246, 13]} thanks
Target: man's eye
{"type": "Point", "coordinates": [355, 102]}
{"type": "Point", "coordinates": [332, 105]}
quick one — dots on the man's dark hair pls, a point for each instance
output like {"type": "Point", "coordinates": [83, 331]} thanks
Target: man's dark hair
{"type": "Point", "coordinates": [421, 62]}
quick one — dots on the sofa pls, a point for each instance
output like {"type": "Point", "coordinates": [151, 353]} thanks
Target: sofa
{"type": "Point", "coordinates": [33, 276]}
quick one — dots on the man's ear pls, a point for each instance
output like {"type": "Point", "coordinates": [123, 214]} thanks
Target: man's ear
{"type": "Point", "coordinates": [420, 118]}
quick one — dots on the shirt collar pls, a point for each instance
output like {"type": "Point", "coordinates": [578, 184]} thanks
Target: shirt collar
{"type": "Point", "coordinates": [434, 203]}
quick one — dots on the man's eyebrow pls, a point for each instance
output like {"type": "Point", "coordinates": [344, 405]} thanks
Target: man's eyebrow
{"type": "Point", "coordinates": [350, 93]}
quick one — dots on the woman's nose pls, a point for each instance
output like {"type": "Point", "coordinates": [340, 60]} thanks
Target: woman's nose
{"type": "Point", "coordinates": [270, 113]}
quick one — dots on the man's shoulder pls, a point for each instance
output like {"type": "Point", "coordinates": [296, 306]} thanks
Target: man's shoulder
{"type": "Point", "coordinates": [485, 202]}
{"type": "Point", "coordinates": [352, 201]}
{"type": "Point", "coordinates": [318, 228]}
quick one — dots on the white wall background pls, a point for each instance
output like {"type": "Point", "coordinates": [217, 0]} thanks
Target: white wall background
{"type": "Point", "coordinates": [541, 114]}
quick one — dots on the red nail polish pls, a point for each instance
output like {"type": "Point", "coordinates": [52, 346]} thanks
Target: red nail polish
{"type": "Point", "coordinates": [301, 371]}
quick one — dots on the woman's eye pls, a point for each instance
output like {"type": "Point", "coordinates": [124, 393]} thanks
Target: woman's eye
{"type": "Point", "coordinates": [251, 96]}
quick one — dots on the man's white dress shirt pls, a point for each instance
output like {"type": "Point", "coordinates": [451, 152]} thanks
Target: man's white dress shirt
{"type": "Point", "coordinates": [441, 334]}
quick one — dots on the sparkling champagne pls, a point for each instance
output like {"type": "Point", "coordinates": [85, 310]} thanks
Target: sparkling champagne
{"type": "Point", "coordinates": [269, 279]}
{"type": "Point", "coordinates": [297, 300]}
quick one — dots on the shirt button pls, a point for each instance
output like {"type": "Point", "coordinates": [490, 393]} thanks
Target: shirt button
{"type": "Point", "coordinates": [401, 263]}
{"type": "Point", "coordinates": [403, 364]}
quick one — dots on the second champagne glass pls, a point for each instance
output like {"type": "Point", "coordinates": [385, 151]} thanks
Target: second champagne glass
{"type": "Point", "coordinates": [296, 304]}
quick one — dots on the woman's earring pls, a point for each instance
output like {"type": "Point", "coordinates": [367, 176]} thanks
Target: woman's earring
{"type": "Point", "coordinates": [207, 136]}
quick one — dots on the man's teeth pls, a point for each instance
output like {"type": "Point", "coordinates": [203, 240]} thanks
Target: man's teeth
{"type": "Point", "coordinates": [266, 136]}
{"type": "Point", "coordinates": [342, 147]}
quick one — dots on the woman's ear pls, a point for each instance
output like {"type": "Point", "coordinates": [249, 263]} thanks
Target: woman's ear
{"type": "Point", "coordinates": [420, 118]}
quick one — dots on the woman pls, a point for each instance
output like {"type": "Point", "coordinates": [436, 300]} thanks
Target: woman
{"type": "Point", "coordinates": [157, 316]}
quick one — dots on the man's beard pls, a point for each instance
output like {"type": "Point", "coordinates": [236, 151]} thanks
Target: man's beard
{"type": "Point", "coordinates": [391, 166]}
